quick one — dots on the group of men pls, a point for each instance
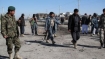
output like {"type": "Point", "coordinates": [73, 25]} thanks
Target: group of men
{"type": "Point", "coordinates": [33, 23]}
{"type": "Point", "coordinates": [9, 29]}
{"type": "Point", "coordinates": [97, 25]}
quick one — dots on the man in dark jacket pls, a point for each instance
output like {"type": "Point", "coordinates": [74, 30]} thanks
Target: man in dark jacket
{"type": "Point", "coordinates": [85, 23]}
{"type": "Point", "coordinates": [102, 29]}
{"type": "Point", "coordinates": [74, 26]}
{"type": "Point", "coordinates": [22, 24]}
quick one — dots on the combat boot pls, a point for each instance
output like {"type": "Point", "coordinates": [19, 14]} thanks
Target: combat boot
{"type": "Point", "coordinates": [22, 35]}
{"type": "Point", "coordinates": [10, 56]}
{"type": "Point", "coordinates": [16, 56]}
{"type": "Point", "coordinates": [36, 34]}
{"type": "Point", "coordinates": [101, 45]}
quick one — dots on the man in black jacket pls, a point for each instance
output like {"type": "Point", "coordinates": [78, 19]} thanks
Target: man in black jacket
{"type": "Point", "coordinates": [74, 26]}
{"type": "Point", "coordinates": [22, 24]}
{"type": "Point", "coordinates": [85, 23]}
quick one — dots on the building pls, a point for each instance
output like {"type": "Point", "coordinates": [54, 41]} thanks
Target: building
{"type": "Point", "coordinates": [41, 15]}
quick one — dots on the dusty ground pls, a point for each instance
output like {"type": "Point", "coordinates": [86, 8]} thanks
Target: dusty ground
{"type": "Point", "coordinates": [33, 47]}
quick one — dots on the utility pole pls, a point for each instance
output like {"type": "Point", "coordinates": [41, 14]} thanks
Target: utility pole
{"type": "Point", "coordinates": [46, 11]}
{"type": "Point", "coordinates": [2, 10]}
{"type": "Point", "coordinates": [78, 4]}
{"type": "Point", "coordinates": [59, 9]}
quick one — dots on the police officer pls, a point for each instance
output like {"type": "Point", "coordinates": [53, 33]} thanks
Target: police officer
{"type": "Point", "coordinates": [102, 29]}
{"type": "Point", "coordinates": [9, 30]}
{"type": "Point", "coordinates": [74, 27]}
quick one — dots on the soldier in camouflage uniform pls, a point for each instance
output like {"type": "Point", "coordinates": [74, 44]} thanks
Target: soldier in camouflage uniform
{"type": "Point", "coordinates": [9, 30]}
{"type": "Point", "coordinates": [102, 29]}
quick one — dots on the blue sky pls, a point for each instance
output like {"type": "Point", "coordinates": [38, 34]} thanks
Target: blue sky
{"type": "Point", "coordinates": [41, 6]}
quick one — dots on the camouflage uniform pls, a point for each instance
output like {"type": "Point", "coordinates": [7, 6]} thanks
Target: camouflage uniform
{"type": "Point", "coordinates": [9, 28]}
{"type": "Point", "coordinates": [102, 30]}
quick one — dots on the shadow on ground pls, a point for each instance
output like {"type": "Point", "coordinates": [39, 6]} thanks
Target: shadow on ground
{"type": "Point", "coordinates": [48, 44]}
{"type": "Point", "coordinates": [62, 31]}
{"type": "Point", "coordinates": [27, 34]}
{"type": "Point", "coordinates": [65, 45]}
{"type": "Point", "coordinates": [3, 57]}
{"type": "Point", "coordinates": [88, 46]}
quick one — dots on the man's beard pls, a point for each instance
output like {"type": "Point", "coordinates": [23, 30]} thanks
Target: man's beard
{"type": "Point", "coordinates": [12, 14]}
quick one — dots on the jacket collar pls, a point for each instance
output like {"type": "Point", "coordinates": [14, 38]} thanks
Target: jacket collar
{"type": "Point", "coordinates": [75, 15]}
{"type": "Point", "coordinates": [8, 16]}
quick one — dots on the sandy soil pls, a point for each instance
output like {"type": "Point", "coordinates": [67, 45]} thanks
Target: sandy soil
{"type": "Point", "coordinates": [33, 47]}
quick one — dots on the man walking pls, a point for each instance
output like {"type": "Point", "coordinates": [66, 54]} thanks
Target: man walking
{"type": "Point", "coordinates": [85, 24]}
{"type": "Point", "coordinates": [74, 27]}
{"type": "Point", "coordinates": [22, 24]}
{"type": "Point", "coordinates": [95, 24]}
{"type": "Point", "coordinates": [50, 26]}
{"type": "Point", "coordinates": [102, 29]}
{"type": "Point", "coordinates": [9, 30]}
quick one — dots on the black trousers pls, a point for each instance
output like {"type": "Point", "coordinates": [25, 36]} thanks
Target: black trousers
{"type": "Point", "coordinates": [22, 29]}
{"type": "Point", "coordinates": [75, 35]}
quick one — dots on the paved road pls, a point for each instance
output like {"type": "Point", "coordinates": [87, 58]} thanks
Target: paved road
{"type": "Point", "coordinates": [33, 47]}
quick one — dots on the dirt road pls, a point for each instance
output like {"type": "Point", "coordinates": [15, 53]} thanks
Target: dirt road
{"type": "Point", "coordinates": [33, 47]}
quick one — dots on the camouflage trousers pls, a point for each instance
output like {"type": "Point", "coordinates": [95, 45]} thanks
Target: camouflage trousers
{"type": "Point", "coordinates": [10, 41]}
{"type": "Point", "coordinates": [102, 36]}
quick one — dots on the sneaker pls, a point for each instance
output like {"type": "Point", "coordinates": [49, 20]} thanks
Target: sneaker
{"type": "Point", "coordinates": [55, 35]}
{"type": "Point", "coordinates": [93, 34]}
{"type": "Point", "coordinates": [47, 41]}
{"type": "Point", "coordinates": [17, 57]}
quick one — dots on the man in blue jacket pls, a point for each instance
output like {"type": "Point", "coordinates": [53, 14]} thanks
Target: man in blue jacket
{"type": "Point", "coordinates": [51, 26]}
